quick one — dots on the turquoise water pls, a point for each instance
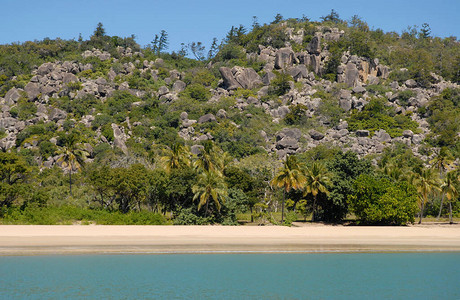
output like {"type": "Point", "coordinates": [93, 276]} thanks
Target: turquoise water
{"type": "Point", "coordinates": [233, 276]}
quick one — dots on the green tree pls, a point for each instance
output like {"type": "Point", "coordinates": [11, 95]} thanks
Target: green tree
{"type": "Point", "coordinates": [449, 188]}
{"type": "Point", "coordinates": [13, 175]}
{"type": "Point", "coordinates": [176, 157]}
{"type": "Point", "coordinates": [160, 42]}
{"type": "Point", "coordinates": [209, 185]}
{"type": "Point", "coordinates": [72, 156]}
{"type": "Point", "coordinates": [426, 181]}
{"type": "Point", "coordinates": [100, 31]}
{"type": "Point", "coordinates": [317, 180]}
{"type": "Point", "coordinates": [290, 176]}
{"type": "Point", "coordinates": [379, 200]}
{"type": "Point", "coordinates": [442, 163]}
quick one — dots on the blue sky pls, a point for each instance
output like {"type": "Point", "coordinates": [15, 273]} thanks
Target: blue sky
{"type": "Point", "coordinates": [187, 21]}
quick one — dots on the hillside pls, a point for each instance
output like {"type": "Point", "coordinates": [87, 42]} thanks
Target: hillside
{"type": "Point", "coordinates": [139, 129]}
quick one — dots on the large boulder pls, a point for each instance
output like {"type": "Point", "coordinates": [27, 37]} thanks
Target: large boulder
{"type": "Point", "coordinates": [179, 86]}
{"type": "Point", "coordinates": [12, 96]}
{"type": "Point", "coordinates": [57, 114]}
{"type": "Point", "coordinates": [316, 135]}
{"type": "Point", "coordinates": [293, 133]}
{"type": "Point", "coordinates": [351, 75]}
{"type": "Point", "coordinates": [32, 90]}
{"type": "Point", "coordinates": [239, 77]}
{"type": "Point", "coordinates": [284, 58]}
{"type": "Point", "coordinates": [314, 46]}
{"type": "Point", "coordinates": [69, 77]}
{"type": "Point", "coordinates": [119, 138]}
{"type": "Point", "coordinates": [45, 68]}
{"type": "Point", "coordinates": [207, 118]}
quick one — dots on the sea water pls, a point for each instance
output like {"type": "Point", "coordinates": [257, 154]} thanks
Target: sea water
{"type": "Point", "coordinates": [233, 276]}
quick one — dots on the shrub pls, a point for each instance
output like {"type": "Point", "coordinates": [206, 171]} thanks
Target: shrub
{"type": "Point", "coordinates": [381, 201]}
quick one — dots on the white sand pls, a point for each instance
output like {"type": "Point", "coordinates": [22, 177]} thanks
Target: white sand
{"type": "Point", "coordinates": [80, 239]}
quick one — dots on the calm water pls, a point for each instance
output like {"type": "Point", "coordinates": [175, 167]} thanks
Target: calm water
{"type": "Point", "coordinates": [233, 276]}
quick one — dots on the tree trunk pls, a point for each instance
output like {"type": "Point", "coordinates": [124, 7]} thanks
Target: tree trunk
{"type": "Point", "coordinates": [252, 216]}
{"type": "Point", "coordinates": [421, 213]}
{"type": "Point", "coordinates": [440, 209]}
{"type": "Point", "coordinates": [313, 217]}
{"type": "Point", "coordinates": [282, 208]}
{"type": "Point", "coordinates": [70, 182]}
{"type": "Point", "coordinates": [450, 213]}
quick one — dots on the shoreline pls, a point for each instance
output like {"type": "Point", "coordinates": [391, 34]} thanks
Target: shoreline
{"type": "Point", "coordinates": [18, 240]}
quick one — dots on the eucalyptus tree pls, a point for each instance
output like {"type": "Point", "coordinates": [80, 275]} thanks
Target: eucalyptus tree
{"type": "Point", "coordinates": [290, 176]}
{"type": "Point", "coordinates": [317, 180]}
{"type": "Point", "coordinates": [72, 156]}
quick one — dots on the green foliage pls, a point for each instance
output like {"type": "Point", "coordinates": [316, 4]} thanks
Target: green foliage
{"type": "Point", "coordinates": [70, 215]}
{"type": "Point", "coordinates": [197, 92]}
{"type": "Point", "coordinates": [381, 201]}
{"type": "Point", "coordinates": [375, 115]}
{"type": "Point", "coordinates": [404, 97]}
{"type": "Point", "coordinates": [280, 84]}
{"type": "Point", "coordinates": [297, 115]}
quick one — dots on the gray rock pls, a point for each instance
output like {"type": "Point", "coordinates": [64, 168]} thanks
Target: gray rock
{"type": "Point", "coordinates": [179, 86]}
{"type": "Point", "coordinates": [69, 77]}
{"type": "Point", "coordinates": [284, 58]}
{"type": "Point", "coordinates": [359, 89]}
{"type": "Point", "coordinates": [252, 100]}
{"type": "Point", "coordinates": [293, 133]}
{"type": "Point", "coordinates": [196, 149]}
{"type": "Point", "coordinates": [351, 75]}
{"type": "Point", "coordinates": [382, 136]}
{"type": "Point", "coordinates": [32, 90]}
{"type": "Point", "coordinates": [417, 138]}
{"type": "Point", "coordinates": [57, 114]}
{"type": "Point", "coordinates": [207, 118]}
{"type": "Point", "coordinates": [362, 133]}
{"type": "Point", "coordinates": [230, 82]}
{"type": "Point", "coordinates": [119, 138]}
{"type": "Point", "coordinates": [314, 46]}
{"type": "Point", "coordinates": [342, 125]}
{"type": "Point", "coordinates": [184, 115]}
{"type": "Point", "coordinates": [316, 135]}
{"type": "Point", "coordinates": [287, 143]}
{"type": "Point", "coordinates": [345, 104]}
{"type": "Point", "coordinates": [12, 96]}
{"type": "Point", "coordinates": [268, 77]}
{"type": "Point", "coordinates": [298, 72]}
{"type": "Point", "coordinates": [247, 78]}
{"type": "Point", "coordinates": [408, 133]}
{"type": "Point", "coordinates": [163, 90]}
{"type": "Point", "coordinates": [394, 85]}
{"type": "Point", "coordinates": [410, 83]}
{"type": "Point", "coordinates": [45, 68]}
{"type": "Point", "coordinates": [222, 114]}
{"type": "Point", "coordinates": [8, 123]}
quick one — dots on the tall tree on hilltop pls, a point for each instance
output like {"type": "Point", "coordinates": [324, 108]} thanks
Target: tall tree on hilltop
{"type": "Point", "coordinates": [160, 42]}
{"type": "Point", "coordinates": [289, 177]}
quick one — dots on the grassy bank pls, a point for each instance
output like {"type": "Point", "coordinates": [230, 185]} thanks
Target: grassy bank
{"type": "Point", "coordinates": [68, 215]}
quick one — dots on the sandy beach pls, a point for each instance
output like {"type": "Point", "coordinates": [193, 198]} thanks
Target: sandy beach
{"type": "Point", "coordinates": [80, 239]}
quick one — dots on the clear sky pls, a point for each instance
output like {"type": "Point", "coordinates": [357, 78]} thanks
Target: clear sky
{"type": "Point", "coordinates": [187, 21]}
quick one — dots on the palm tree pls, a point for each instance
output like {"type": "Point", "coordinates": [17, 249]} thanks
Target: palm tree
{"type": "Point", "coordinates": [426, 181]}
{"type": "Point", "coordinates": [442, 162]}
{"type": "Point", "coordinates": [289, 177]}
{"type": "Point", "coordinates": [72, 156]}
{"type": "Point", "coordinates": [209, 185]}
{"type": "Point", "coordinates": [317, 180]}
{"type": "Point", "coordinates": [450, 190]}
{"type": "Point", "coordinates": [211, 159]}
{"type": "Point", "coordinates": [176, 157]}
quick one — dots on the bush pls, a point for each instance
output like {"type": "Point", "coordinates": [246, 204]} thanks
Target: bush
{"type": "Point", "coordinates": [381, 201]}
{"type": "Point", "coordinates": [197, 92]}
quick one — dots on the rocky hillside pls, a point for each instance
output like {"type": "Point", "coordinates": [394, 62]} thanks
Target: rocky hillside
{"type": "Point", "coordinates": [323, 107]}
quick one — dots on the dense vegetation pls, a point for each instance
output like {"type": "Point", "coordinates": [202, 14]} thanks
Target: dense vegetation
{"type": "Point", "coordinates": [226, 168]}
